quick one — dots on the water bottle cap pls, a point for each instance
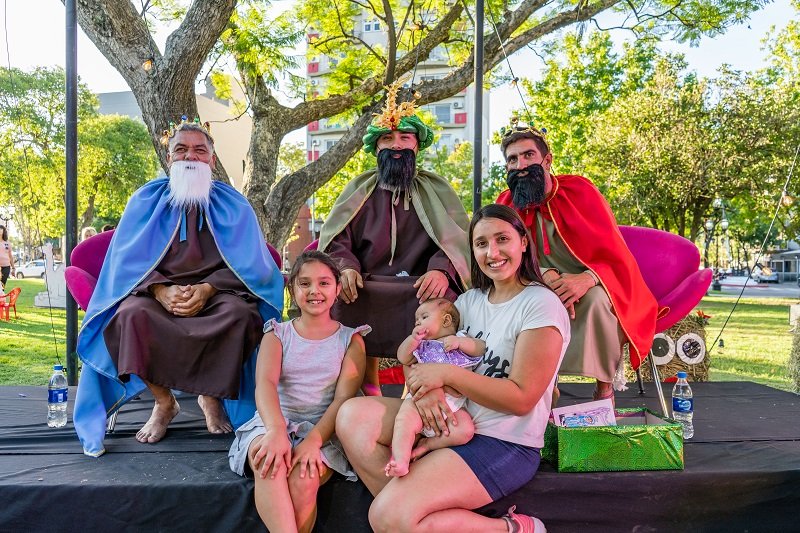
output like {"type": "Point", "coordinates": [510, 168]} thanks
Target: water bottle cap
{"type": "Point", "coordinates": [58, 367]}
{"type": "Point", "coordinates": [681, 375]}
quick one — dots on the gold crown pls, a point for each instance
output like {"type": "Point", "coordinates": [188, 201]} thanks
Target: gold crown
{"type": "Point", "coordinates": [514, 127]}
{"type": "Point", "coordinates": [392, 113]}
{"type": "Point", "coordinates": [167, 134]}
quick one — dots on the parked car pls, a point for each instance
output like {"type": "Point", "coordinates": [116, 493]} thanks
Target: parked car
{"type": "Point", "coordinates": [32, 269]}
{"type": "Point", "coordinates": [765, 275]}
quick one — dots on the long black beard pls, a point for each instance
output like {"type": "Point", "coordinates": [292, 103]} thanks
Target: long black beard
{"type": "Point", "coordinates": [527, 185]}
{"type": "Point", "coordinates": [396, 174]}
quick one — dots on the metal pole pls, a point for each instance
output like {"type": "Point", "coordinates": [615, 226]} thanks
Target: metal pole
{"type": "Point", "coordinates": [72, 180]}
{"type": "Point", "coordinates": [477, 144]}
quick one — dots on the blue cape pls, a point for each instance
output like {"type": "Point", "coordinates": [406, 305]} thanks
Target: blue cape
{"type": "Point", "coordinates": [140, 242]}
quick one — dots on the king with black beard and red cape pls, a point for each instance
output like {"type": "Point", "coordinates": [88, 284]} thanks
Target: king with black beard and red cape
{"type": "Point", "coordinates": [583, 258]}
{"type": "Point", "coordinates": [400, 233]}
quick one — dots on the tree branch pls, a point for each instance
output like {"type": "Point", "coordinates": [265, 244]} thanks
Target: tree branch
{"type": "Point", "coordinates": [391, 34]}
{"type": "Point", "coordinates": [312, 110]}
{"type": "Point", "coordinates": [199, 30]}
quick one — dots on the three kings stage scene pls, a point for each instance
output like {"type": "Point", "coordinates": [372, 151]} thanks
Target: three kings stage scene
{"type": "Point", "coordinates": [410, 363]}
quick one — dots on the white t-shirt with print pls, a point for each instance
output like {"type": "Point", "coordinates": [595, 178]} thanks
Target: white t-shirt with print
{"type": "Point", "coordinates": [499, 325]}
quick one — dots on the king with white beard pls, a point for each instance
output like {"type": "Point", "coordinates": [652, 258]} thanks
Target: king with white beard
{"type": "Point", "coordinates": [180, 303]}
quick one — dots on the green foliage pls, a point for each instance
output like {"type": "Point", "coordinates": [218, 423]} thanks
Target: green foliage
{"type": "Point", "coordinates": [326, 195]}
{"type": "Point", "coordinates": [117, 158]}
{"type": "Point", "coordinates": [661, 143]}
{"type": "Point", "coordinates": [456, 167]}
{"type": "Point", "coordinates": [291, 158]}
{"type": "Point", "coordinates": [33, 135]}
{"type": "Point", "coordinates": [259, 42]}
{"type": "Point", "coordinates": [583, 77]}
{"type": "Point", "coordinates": [115, 154]}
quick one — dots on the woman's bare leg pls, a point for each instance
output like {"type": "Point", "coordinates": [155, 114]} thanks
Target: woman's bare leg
{"type": "Point", "coordinates": [364, 426]}
{"type": "Point", "coordinates": [436, 495]}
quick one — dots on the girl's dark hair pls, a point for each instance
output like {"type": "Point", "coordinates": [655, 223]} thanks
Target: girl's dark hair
{"type": "Point", "coordinates": [529, 267]}
{"type": "Point", "coordinates": [4, 236]}
{"type": "Point", "coordinates": [309, 256]}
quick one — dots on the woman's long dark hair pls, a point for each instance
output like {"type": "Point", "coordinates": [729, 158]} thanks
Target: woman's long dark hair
{"type": "Point", "coordinates": [4, 236]}
{"type": "Point", "coordinates": [529, 267]}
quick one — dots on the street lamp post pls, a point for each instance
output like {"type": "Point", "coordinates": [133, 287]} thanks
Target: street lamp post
{"type": "Point", "coordinates": [718, 219]}
{"type": "Point", "coordinates": [6, 214]}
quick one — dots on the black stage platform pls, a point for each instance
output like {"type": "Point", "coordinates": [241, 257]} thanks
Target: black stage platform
{"type": "Point", "coordinates": [742, 474]}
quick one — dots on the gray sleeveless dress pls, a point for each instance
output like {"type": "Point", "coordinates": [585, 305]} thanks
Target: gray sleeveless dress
{"type": "Point", "coordinates": [309, 373]}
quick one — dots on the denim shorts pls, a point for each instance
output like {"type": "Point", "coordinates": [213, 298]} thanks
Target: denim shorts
{"type": "Point", "coordinates": [502, 467]}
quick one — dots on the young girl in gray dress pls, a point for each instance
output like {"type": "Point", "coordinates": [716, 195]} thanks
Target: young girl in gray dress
{"type": "Point", "coordinates": [306, 369]}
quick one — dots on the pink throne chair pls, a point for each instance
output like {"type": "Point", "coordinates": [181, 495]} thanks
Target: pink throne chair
{"type": "Point", "coordinates": [670, 266]}
{"type": "Point", "coordinates": [87, 260]}
{"type": "Point", "coordinates": [81, 276]}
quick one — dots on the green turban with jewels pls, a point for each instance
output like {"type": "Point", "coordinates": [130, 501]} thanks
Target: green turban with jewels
{"type": "Point", "coordinates": [397, 117]}
{"type": "Point", "coordinates": [411, 124]}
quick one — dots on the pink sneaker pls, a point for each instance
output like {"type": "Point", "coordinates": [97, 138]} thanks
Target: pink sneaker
{"type": "Point", "coordinates": [522, 523]}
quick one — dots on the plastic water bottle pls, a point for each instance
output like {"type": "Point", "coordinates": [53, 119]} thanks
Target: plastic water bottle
{"type": "Point", "coordinates": [683, 405]}
{"type": "Point", "coordinates": [57, 398]}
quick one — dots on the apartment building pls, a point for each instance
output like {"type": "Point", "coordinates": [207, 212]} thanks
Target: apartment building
{"type": "Point", "coordinates": [454, 115]}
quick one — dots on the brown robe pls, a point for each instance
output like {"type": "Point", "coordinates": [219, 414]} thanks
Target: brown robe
{"type": "Point", "coordinates": [202, 354]}
{"type": "Point", "coordinates": [388, 301]}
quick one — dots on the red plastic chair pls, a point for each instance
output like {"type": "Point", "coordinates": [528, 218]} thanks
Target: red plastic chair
{"type": "Point", "coordinates": [670, 266]}
{"type": "Point", "coordinates": [9, 301]}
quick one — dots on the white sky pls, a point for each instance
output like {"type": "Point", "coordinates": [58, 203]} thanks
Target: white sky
{"type": "Point", "coordinates": [34, 31]}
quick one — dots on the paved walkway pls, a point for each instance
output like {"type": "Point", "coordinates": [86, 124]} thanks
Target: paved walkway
{"type": "Point", "coordinates": [733, 285]}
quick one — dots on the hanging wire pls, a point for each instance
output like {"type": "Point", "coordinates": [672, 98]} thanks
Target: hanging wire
{"type": "Point", "coordinates": [515, 79]}
{"type": "Point", "coordinates": [413, 44]}
{"type": "Point", "coordinates": [761, 249]}
{"type": "Point", "coordinates": [30, 185]}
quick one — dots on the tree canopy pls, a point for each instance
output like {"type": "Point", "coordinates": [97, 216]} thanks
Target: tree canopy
{"type": "Point", "coordinates": [260, 44]}
{"type": "Point", "coordinates": [664, 144]}
{"type": "Point", "coordinates": [116, 156]}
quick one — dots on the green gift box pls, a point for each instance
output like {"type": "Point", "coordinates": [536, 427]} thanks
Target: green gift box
{"type": "Point", "coordinates": [641, 440]}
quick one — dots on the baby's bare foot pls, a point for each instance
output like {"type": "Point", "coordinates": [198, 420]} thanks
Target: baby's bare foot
{"type": "Point", "coordinates": [216, 419]}
{"type": "Point", "coordinates": [396, 468]}
{"type": "Point", "coordinates": [156, 427]}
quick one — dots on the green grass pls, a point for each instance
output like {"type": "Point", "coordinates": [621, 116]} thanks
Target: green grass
{"type": "Point", "coordinates": [27, 345]}
{"type": "Point", "coordinates": [757, 340]}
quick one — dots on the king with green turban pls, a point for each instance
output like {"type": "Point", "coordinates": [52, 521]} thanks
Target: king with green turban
{"type": "Point", "coordinates": [400, 233]}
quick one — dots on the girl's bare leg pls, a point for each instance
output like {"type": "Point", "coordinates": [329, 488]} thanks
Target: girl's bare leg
{"type": "Point", "coordinates": [273, 500]}
{"type": "Point", "coordinates": [303, 492]}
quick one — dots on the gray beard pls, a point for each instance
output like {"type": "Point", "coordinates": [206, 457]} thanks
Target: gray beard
{"type": "Point", "coordinates": [189, 184]}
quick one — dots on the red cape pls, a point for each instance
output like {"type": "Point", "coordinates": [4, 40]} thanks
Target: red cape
{"type": "Point", "coordinates": [584, 221]}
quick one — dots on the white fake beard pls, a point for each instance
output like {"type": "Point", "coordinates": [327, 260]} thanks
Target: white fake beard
{"type": "Point", "coordinates": [189, 184]}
